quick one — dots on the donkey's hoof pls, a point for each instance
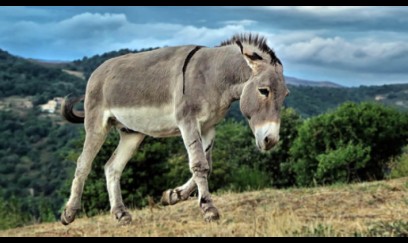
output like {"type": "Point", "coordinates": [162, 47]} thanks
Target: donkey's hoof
{"type": "Point", "coordinates": [123, 218]}
{"type": "Point", "coordinates": [211, 214]}
{"type": "Point", "coordinates": [68, 216]}
{"type": "Point", "coordinates": [167, 198]}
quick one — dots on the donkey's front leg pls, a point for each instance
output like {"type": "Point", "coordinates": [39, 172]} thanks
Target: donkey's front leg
{"type": "Point", "coordinates": [182, 193]}
{"type": "Point", "coordinates": [200, 168]}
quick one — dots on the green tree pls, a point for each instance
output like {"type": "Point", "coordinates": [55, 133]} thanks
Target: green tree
{"type": "Point", "coordinates": [351, 143]}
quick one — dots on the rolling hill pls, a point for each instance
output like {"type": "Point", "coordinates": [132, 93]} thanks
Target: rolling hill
{"type": "Point", "coordinates": [21, 77]}
{"type": "Point", "coordinates": [366, 209]}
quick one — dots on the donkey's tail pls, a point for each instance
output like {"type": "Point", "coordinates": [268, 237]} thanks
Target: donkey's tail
{"type": "Point", "coordinates": [68, 111]}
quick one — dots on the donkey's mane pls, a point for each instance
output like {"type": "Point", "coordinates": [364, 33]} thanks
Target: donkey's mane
{"type": "Point", "coordinates": [254, 40]}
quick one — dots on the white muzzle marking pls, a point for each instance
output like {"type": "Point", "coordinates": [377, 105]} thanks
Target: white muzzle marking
{"type": "Point", "coordinates": [267, 135]}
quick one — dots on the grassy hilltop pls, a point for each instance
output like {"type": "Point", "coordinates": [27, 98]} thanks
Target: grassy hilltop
{"type": "Point", "coordinates": [366, 209]}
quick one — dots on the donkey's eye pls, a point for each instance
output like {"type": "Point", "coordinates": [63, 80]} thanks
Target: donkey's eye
{"type": "Point", "coordinates": [264, 91]}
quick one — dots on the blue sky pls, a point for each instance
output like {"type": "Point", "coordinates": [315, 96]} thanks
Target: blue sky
{"type": "Point", "coordinates": [348, 45]}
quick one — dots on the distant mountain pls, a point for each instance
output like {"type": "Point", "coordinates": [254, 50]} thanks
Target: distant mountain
{"type": "Point", "coordinates": [302, 82]}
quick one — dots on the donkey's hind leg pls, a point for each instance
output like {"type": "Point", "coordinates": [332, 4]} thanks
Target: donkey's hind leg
{"type": "Point", "coordinates": [182, 193]}
{"type": "Point", "coordinates": [94, 140]}
{"type": "Point", "coordinates": [128, 143]}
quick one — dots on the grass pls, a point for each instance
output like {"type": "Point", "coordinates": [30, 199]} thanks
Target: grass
{"type": "Point", "coordinates": [365, 209]}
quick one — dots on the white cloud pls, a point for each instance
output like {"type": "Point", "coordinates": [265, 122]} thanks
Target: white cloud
{"type": "Point", "coordinates": [91, 22]}
{"type": "Point", "coordinates": [336, 52]}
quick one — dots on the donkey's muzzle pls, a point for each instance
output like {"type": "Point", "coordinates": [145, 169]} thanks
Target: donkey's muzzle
{"type": "Point", "coordinates": [267, 135]}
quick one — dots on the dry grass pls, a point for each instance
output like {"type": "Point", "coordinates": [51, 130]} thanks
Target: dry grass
{"type": "Point", "coordinates": [344, 210]}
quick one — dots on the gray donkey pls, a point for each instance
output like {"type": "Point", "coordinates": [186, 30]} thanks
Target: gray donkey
{"type": "Point", "coordinates": [173, 91]}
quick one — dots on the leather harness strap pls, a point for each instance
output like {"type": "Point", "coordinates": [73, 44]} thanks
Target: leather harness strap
{"type": "Point", "coordinates": [189, 56]}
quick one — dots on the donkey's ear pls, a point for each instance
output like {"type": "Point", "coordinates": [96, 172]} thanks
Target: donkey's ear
{"type": "Point", "coordinates": [254, 60]}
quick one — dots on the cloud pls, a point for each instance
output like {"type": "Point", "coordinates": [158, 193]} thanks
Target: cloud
{"type": "Point", "coordinates": [330, 42]}
{"type": "Point", "coordinates": [348, 18]}
{"type": "Point", "coordinates": [94, 33]}
{"type": "Point", "coordinates": [89, 24]}
{"type": "Point", "coordinates": [243, 22]}
{"type": "Point", "coordinates": [359, 55]}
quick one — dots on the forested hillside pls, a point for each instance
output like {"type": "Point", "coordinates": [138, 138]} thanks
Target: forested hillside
{"type": "Point", "coordinates": [20, 77]}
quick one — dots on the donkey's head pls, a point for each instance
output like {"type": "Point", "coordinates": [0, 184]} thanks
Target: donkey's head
{"type": "Point", "coordinates": [263, 94]}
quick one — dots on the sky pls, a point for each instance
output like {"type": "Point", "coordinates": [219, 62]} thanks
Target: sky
{"type": "Point", "coordinates": [350, 46]}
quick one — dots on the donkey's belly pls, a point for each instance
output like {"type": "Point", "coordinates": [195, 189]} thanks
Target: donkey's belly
{"type": "Point", "coordinates": [152, 121]}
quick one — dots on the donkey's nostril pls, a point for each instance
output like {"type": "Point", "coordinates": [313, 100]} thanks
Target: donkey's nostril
{"type": "Point", "coordinates": [266, 140]}
{"type": "Point", "coordinates": [269, 142]}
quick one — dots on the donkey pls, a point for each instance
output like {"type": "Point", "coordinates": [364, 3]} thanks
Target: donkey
{"type": "Point", "coordinates": [173, 91]}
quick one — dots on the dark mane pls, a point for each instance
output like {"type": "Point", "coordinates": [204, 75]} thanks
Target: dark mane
{"type": "Point", "coordinates": [255, 40]}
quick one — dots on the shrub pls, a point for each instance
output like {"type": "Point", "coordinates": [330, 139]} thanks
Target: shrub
{"type": "Point", "coordinates": [352, 143]}
{"type": "Point", "coordinates": [399, 167]}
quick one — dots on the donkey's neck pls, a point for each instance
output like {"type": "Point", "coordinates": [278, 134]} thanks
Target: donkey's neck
{"type": "Point", "coordinates": [236, 72]}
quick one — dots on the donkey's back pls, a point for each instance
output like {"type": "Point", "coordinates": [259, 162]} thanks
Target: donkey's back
{"type": "Point", "coordinates": [139, 79]}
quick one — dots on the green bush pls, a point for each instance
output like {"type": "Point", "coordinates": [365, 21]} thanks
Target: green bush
{"type": "Point", "coordinates": [11, 215]}
{"type": "Point", "coordinates": [399, 167]}
{"type": "Point", "coordinates": [342, 164]}
{"type": "Point", "coordinates": [352, 143]}
{"type": "Point", "coordinates": [247, 178]}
